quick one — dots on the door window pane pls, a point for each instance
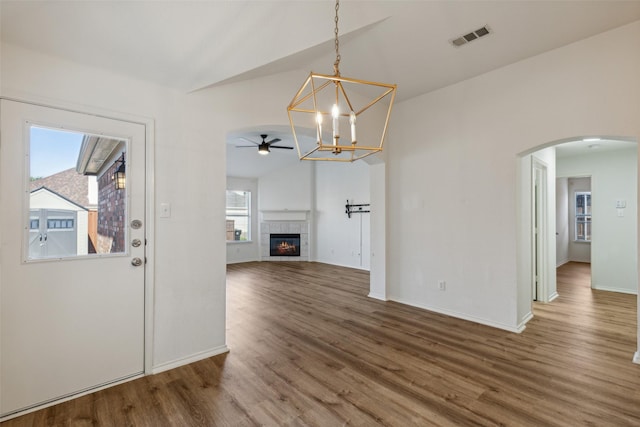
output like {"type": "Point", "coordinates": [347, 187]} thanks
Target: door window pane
{"type": "Point", "coordinates": [77, 203]}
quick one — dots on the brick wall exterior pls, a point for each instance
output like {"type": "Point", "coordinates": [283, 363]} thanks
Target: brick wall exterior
{"type": "Point", "coordinates": [111, 213]}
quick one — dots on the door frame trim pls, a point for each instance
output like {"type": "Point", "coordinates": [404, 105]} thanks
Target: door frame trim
{"type": "Point", "coordinates": [149, 278]}
{"type": "Point", "coordinates": [539, 242]}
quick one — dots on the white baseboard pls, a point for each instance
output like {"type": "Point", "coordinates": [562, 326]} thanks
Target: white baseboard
{"type": "Point", "coordinates": [190, 359]}
{"type": "Point", "coordinates": [620, 290]}
{"type": "Point", "coordinates": [636, 357]}
{"type": "Point", "coordinates": [523, 325]}
{"type": "Point", "coordinates": [337, 264]}
{"type": "Point", "coordinates": [69, 397]}
{"type": "Point", "coordinates": [447, 312]}
{"type": "Point", "coordinates": [240, 261]}
{"type": "Point", "coordinates": [156, 369]}
{"type": "Point", "coordinates": [553, 296]}
{"type": "Point", "coordinates": [381, 297]}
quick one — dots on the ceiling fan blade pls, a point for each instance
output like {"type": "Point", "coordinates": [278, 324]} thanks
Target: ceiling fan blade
{"type": "Point", "coordinates": [274, 140]}
{"type": "Point", "coordinates": [278, 146]}
{"type": "Point", "coordinates": [245, 146]}
{"type": "Point", "coordinates": [248, 140]}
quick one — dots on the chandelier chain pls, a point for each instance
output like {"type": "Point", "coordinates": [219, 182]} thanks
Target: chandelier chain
{"type": "Point", "coordinates": [336, 65]}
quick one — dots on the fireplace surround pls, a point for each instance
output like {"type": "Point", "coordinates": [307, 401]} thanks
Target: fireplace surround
{"type": "Point", "coordinates": [285, 223]}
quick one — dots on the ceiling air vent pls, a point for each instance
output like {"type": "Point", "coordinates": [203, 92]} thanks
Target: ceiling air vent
{"type": "Point", "coordinates": [474, 35]}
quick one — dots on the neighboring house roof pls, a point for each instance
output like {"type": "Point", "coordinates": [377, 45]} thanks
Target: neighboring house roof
{"type": "Point", "coordinates": [68, 184]}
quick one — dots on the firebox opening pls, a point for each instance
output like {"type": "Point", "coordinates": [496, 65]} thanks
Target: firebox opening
{"type": "Point", "coordinates": [284, 245]}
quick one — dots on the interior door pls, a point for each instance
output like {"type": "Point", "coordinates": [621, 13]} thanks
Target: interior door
{"type": "Point", "coordinates": [69, 322]}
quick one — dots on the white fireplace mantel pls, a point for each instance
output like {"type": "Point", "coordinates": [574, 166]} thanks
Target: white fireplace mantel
{"type": "Point", "coordinates": [284, 215]}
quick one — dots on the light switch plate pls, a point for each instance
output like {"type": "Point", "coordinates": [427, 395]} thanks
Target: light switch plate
{"type": "Point", "coordinates": [165, 210]}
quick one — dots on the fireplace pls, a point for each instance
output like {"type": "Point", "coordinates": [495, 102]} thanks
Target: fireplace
{"type": "Point", "coordinates": [284, 244]}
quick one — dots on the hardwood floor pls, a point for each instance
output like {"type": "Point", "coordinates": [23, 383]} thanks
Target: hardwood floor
{"type": "Point", "coordinates": [308, 347]}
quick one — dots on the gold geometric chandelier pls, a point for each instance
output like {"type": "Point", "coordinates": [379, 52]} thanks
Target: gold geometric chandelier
{"type": "Point", "coordinates": [326, 111]}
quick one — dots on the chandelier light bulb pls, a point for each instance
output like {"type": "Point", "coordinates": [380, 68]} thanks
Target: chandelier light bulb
{"type": "Point", "coordinates": [319, 127]}
{"type": "Point", "coordinates": [335, 113]}
{"type": "Point", "coordinates": [352, 121]}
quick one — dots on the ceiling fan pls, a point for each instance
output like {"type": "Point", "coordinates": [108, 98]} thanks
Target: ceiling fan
{"type": "Point", "coordinates": [264, 146]}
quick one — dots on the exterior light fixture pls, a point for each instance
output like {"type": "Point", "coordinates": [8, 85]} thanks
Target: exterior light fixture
{"type": "Point", "coordinates": [335, 99]}
{"type": "Point", "coordinates": [120, 177]}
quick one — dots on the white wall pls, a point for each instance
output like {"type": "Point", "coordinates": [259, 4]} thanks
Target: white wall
{"type": "Point", "coordinates": [245, 251]}
{"type": "Point", "coordinates": [378, 192]}
{"type": "Point", "coordinates": [578, 251]}
{"type": "Point", "coordinates": [562, 221]}
{"type": "Point", "coordinates": [452, 163]}
{"type": "Point", "coordinates": [614, 252]}
{"type": "Point", "coordinates": [287, 190]}
{"type": "Point", "coordinates": [342, 240]}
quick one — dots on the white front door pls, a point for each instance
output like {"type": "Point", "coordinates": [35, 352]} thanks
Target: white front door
{"type": "Point", "coordinates": [70, 320]}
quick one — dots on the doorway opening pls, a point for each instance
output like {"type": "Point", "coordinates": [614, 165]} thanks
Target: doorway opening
{"type": "Point", "coordinates": [573, 219]}
{"type": "Point", "coordinates": [585, 181]}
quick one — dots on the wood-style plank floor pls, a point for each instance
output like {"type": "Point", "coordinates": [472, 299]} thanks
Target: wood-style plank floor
{"type": "Point", "coordinates": [309, 348]}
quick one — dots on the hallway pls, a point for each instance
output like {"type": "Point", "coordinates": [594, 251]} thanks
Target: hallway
{"type": "Point", "coordinates": [601, 321]}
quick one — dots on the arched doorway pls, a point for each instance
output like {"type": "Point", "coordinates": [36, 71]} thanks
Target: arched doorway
{"type": "Point", "coordinates": [612, 163]}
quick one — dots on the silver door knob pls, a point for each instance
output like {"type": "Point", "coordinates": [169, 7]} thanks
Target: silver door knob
{"type": "Point", "coordinates": [136, 243]}
{"type": "Point", "coordinates": [136, 262]}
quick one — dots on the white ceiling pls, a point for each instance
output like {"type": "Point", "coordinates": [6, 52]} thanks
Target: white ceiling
{"type": "Point", "coordinates": [591, 145]}
{"type": "Point", "coordinates": [189, 45]}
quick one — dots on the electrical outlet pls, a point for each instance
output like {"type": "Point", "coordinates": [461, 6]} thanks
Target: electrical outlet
{"type": "Point", "coordinates": [442, 285]}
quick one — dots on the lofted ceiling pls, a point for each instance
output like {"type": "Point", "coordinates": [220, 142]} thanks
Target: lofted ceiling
{"type": "Point", "coordinates": [190, 45]}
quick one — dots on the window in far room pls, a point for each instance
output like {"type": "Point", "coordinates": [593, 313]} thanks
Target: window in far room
{"type": "Point", "coordinates": [583, 216]}
{"type": "Point", "coordinates": [238, 215]}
